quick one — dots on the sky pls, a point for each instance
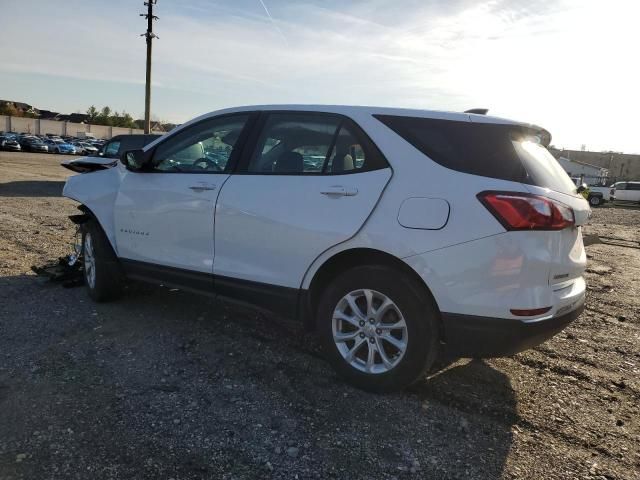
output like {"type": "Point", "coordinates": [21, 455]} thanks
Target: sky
{"type": "Point", "coordinates": [570, 66]}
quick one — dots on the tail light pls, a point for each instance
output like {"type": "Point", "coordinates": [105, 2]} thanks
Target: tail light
{"type": "Point", "coordinates": [525, 211]}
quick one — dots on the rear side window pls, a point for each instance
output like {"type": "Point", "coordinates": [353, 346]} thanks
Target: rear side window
{"type": "Point", "coordinates": [505, 152]}
{"type": "Point", "coordinates": [309, 143]}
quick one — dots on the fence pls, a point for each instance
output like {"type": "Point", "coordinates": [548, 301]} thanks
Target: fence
{"type": "Point", "coordinates": [42, 127]}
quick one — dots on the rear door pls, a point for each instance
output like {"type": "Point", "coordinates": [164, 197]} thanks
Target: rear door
{"type": "Point", "coordinates": [630, 192]}
{"type": "Point", "coordinates": [546, 177]}
{"type": "Point", "coordinates": [622, 194]}
{"type": "Point", "coordinates": [310, 182]}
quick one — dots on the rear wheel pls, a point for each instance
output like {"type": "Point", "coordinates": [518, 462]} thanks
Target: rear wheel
{"type": "Point", "coordinates": [102, 271]}
{"type": "Point", "coordinates": [378, 327]}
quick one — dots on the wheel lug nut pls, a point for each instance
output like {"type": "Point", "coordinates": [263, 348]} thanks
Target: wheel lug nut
{"type": "Point", "coordinates": [361, 323]}
{"type": "Point", "coordinates": [371, 320]}
{"type": "Point", "coordinates": [372, 340]}
{"type": "Point", "coordinates": [362, 335]}
{"type": "Point", "coordinates": [378, 331]}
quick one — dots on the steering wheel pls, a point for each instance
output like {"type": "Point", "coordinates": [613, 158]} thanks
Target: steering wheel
{"type": "Point", "coordinates": [206, 163]}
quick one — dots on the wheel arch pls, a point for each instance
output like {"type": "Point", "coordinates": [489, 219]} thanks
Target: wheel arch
{"type": "Point", "coordinates": [92, 216]}
{"type": "Point", "coordinates": [346, 260]}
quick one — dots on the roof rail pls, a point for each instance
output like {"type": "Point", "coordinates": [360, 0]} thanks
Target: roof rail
{"type": "Point", "coordinates": [477, 111]}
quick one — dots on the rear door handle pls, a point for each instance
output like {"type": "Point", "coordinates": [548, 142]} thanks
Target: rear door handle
{"type": "Point", "coordinates": [339, 190]}
{"type": "Point", "coordinates": [201, 187]}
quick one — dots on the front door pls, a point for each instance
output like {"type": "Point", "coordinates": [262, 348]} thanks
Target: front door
{"type": "Point", "coordinates": [165, 215]}
{"type": "Point", "coordinates": [310, 183]}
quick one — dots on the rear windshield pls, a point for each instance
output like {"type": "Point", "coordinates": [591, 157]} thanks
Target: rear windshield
{"type": "Point", "coordinates": [505, 152]}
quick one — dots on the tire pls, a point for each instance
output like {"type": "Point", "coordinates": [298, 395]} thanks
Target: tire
{"type": "Point", "coordinates": [410, 302]}
{"type": "Point", "coordinates": [595, 201]}
{"type": "Point", "coordinates": [102, 271]}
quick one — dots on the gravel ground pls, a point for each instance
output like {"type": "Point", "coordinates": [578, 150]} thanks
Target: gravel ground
{"type": "Point", "coordinates": [165, 384]}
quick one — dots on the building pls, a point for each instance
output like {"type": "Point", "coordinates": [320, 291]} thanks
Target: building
{"type": "Point", "coordinates": [589, 174]}
{"type": "Point", "coordinates": [21, 109]}
{"type": "Point", "coordinates": [621, 166]}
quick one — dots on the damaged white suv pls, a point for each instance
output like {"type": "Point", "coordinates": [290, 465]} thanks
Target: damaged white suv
{"type": "Point", "coordinates": [395, 234]}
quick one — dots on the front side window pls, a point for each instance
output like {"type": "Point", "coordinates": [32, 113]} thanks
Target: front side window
{"type": "Point", "coordinates": [311, 143]}
{"type": "Point", "coordinates": [202, 148]}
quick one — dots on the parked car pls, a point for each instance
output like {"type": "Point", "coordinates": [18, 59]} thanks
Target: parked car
{"type": "Point", "coordinates": [84, 148]}
{"type": "Point", "coordinates": [9, 143]}
{"type": "Point", "coordinates": [626, 192]}
{"type": "Point", "coordinates": [121, 143]}
{"type": "Point", "coordinates": [596, 195]}
{"type": "Point", "coordinates": [419, 232]}
{"type": "Point", "coordinates": [33, 144]}
{"type": "Point", "coordinates": [57, 145]}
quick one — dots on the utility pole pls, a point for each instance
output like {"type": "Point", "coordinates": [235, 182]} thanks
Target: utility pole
{"type": "Point", "coordinates": [149, 36]}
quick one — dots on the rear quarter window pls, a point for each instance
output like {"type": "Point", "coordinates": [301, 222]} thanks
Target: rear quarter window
{"type": "Point", "coordinates": [505, 152]}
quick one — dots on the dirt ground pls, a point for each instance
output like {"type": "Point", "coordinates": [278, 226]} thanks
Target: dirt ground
{"type": "Point", "coordinates": [165, 384]}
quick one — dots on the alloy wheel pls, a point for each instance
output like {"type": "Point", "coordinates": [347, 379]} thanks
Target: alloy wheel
{"type": "Point", "coordinates": [89, 261]}
{"type": "Point", "coordinates": [369, 331]}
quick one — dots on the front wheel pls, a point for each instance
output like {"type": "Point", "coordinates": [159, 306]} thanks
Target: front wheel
{"type": "Point", "coordinates": [102, 271]}
{"type": "Point", "coordinates": [378, 328]}
{"type": "Point", "coordinates": [595, 201]}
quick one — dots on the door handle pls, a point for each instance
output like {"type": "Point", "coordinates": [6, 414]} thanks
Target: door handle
{"type": "Point", "coordinates": [339, 190]}
{"type": "Point", "coordinates": [202, 187]}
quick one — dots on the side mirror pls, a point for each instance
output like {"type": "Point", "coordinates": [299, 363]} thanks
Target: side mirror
{"type": "Point", "coordinates": [134, 160]}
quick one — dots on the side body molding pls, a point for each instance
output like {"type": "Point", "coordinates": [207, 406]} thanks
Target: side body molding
{"type": "Point", "coordinates": [97, 191]}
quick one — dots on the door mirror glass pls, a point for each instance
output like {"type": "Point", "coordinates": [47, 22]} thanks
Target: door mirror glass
{"type": "Point", "coordinates": [134, 160]}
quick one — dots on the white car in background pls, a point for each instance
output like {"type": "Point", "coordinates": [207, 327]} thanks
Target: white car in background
{"type": "Point", "coordinates": [395, 234]}
{"type": "Point", "coordinates": [626, 192]}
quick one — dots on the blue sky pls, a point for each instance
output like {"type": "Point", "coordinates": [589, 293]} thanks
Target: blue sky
{"type": "Point", "coordinates": [568, 65]}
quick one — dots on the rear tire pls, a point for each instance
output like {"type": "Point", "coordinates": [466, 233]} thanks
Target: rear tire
{"type": "Point", "coordinates": [102, 271]}
{"type": "Point", "coordinates": [396, 319]}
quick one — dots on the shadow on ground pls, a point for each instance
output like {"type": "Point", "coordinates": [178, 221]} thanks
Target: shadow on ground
{"type": "Point", "coordinates": [167, 384]}
{"type": "Point", "coordinates": [31, 188]}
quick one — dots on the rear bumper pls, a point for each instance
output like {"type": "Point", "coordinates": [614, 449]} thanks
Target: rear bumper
{"type": "Point", "coordinates": [472, 336]}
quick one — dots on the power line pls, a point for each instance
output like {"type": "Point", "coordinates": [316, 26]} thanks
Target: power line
{"type": "Point", "coordinates": [149, 35]}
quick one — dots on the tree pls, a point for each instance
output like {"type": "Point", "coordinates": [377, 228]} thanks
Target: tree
{"type": "Point", "coordinates": [127, 120]}
{"type": "Point", "coordinates": [10, 109]}
{"type": "Point", "coordinates": [92, 113]}
{"type": "Point", "coordinates": [104, 117]}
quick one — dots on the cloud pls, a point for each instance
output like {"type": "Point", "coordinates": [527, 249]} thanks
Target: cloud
{"type": "Point", "coordinates": [545, 61]}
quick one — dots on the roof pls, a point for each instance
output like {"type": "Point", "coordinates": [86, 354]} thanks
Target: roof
{"type": "Point", "coordinates": [356, 111]}
{"type": "Point", "coordinates": [371, 110]}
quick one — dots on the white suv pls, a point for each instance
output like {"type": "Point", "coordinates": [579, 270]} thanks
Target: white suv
{"type": "Point", "coordinates": [395, 234]}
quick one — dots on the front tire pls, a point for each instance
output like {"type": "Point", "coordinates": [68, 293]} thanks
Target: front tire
{"type": "Point", "coordinates": [102, 271]}
{"type": "Point", "coordinates": [595, 201]}
{"type": "Point", "coordinates": [378, 328]}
